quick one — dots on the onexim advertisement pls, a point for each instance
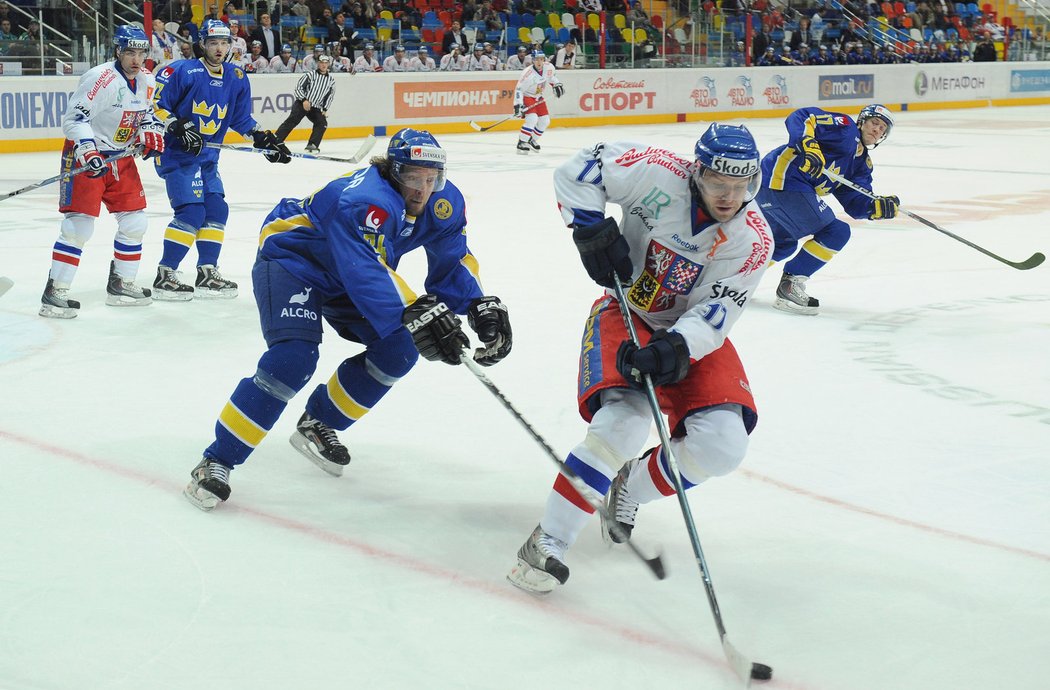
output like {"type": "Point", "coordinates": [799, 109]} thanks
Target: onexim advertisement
{"type": "Point", "coordinates": [31, 108]}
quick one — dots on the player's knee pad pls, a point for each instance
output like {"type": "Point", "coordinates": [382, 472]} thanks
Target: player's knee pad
{"type": "Point", "coordinates": [620, 427]}
{"type": "Point", "coordinates": [390, 358]}
{"type": "Point", "coordinates": [834, 235]}
{"type": "Point", "coordinates": [216, 210]}
{"type": "Point", "coordinates": [715, 443]}
{"type": "Point", "coordinates": [530, 120]}
{"type": "Point", "coordinates": [286, 367]}
{"type": "Point", "coordinates": [189, 217]}
{"type": "Point", "coordinates": [131, 226]}
{"type": "Point", "coordinates": [542, 122]}
{"type": "Point", "coordinates": [76, 229]}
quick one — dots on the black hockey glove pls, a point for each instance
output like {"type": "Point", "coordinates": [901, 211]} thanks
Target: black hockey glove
{"type": "Point", "coordinates": [488, 318]}
{"type": "Point", "coordinates": [265, 139]}
{"type": "Point", "coordinates": [435, 330]}
{"type": "Point", "coordinates": [884, 207]}
{"type": "Point", "coordinates": [604, 251]}
{"type": "Point", "coordinates": [559, 90]}
{"type": "Point", "coordinates": [185, 130]}
{"type": "Point", "coordinates": [812, 163]}
{"type": "Point", "coordinates": [519, 110]}
{"type": "Point", "coordinates": [665, 359]}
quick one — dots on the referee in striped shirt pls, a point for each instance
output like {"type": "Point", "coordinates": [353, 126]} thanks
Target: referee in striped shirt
{"type": "Point", "coordinates": [313, 95]}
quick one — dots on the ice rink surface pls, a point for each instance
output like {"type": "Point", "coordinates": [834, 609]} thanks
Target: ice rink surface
{"type": "Point", "coordinates": [889, 529]}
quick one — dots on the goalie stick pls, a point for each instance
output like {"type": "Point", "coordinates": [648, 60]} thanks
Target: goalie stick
{"type": "Point", "coordinates": [655, 564]}
{"type": "Point", "coordinates": [485, 128]}
{"type": "Point", "coordinates": [67, 175]}
{"type": "Point", "coordinates": [1031, 262]}
{"type": "Point", "coordinates": [362, 151]}
{"type": "Point", "coordinates": [741, 665]}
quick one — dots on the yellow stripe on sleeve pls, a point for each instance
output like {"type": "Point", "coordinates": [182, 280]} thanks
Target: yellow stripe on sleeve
{"type": "Point", "coordinates": [780, 169]}
{"type": "Point", "coordinates": [471, 264]}
{"type": "Point", "coordinates": [280, 225]}
{"type": "Point", "coordinates": [237, 423]}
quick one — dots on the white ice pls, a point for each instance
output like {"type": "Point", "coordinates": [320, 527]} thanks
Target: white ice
{"type": "Point", "coordinates": [889, 530]}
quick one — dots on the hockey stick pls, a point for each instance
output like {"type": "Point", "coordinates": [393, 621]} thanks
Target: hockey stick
{"type": "Point", "coordinates": [5, 285]}
{"type": "Point", "coordinates": [365, 147]}
{"type": "Point", "coordinates": [655, 564]}
{"type": "Point", "coordinates": [67, 175]}
{"type": "Point", "coordinates": [486, 128]}
{"type": "Point", "coordinates": [1031, 262]}
{"type": "Point", "coordinates": [744, 668]}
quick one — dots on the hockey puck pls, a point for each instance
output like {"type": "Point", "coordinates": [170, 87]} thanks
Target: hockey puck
{"type": "Point", "coordinates": [760, 671]}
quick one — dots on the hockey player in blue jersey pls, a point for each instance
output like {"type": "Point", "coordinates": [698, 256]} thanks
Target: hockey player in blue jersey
{"type": "Point", "coordinates": [333, 255]}
{"type": "Point", "coordinates": [198, 100]}
{"type": "Point", "coordinates": [794, 187]}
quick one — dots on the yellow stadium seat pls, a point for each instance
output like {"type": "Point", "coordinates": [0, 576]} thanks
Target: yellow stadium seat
{"type": "Point", "coordinates": [619, 21]}
{"type": "Point", "coordinates": [592, 21]}
{"type": "Point", "coordinates": [524, 35]}
{"type": "Point", "coordinates": [555, 20]}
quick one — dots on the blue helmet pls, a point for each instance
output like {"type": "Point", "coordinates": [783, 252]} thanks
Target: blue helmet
{"type": "Point", "coordinates": [130, 37]}
{"type": "Point", "coordinates": [286, 48]}
{"type": "Point", "coordinates": [879, 111]}
{"type": "Point", "coordinates": [416, 148]}
{"type": "Point", "coordinates": [538, 54]}
{"type": "Point", "coordinates": [729, 150]}
{"type": "Point", "coordinates": [215, 28]}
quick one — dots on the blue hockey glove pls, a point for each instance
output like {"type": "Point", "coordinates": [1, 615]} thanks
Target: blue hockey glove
{"type": "Point", "coordinates": [665, 359]}
{"type": "Point", "coordinates": [265, 139]}
{"type": "Point", "coordinates": [604, 252]}
{"type": "Point", "coordinates": [435, 330]}
{"type": "Point", "coordinates": [884, 207]}
{"type": "Point", "coordinates": [812, 163]}
{"type": "Point", "coordinates": [488, 318]}
{"type": "Point", "coordinates": [185, 130]}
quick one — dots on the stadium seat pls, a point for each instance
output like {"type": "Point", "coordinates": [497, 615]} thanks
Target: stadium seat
{"type": "Point", "coordinates": [619, 21]}
{"type": "Point", "coordinates": [554, 19]}
{"type": "Point", "coordinates": [568, 19]}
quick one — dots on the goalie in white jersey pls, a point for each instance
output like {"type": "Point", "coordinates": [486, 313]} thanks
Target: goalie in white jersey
{"type": "Point", "coordinates": [529, 103]}
{"type": "Point", "coordinates": [110, 111]}
{"type": "Point", "coordinates": [690, 251]}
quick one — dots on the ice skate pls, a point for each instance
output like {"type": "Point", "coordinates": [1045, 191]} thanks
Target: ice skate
{"type": "Point", "coordinates": [124, 293]}
{"type": "Point", "coordinates": [168, 286]}
{"type": "Point", "coordinates": [792, 297]}
{"type": "Point", "coordinates": [310, 148]}
{"type": "Point", "coordinates": [320, 444]}
{"type": "Point", "coordinates": [620, 506]}
{"type": "Point", "coordinates": [211, 284]}
{"type": "Point", "coordinates": [540, 567]}
{"type": "Point", "coordinates": [534, 144]}
{"type": "Point", "coordinates": [55, 302]}
{"type": "Point", "coordinates": [209, 484]}
{"type": "Point", "coordinates": [523, 148]}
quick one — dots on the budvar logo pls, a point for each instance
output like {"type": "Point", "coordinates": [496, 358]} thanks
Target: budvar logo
{"type": "Point", "coordinates": [777, 92]}
{"type": "Point", "coordinates": [375, 217]}
{"type": "Point", "coordinates": [705, 94]}
{"type": "Point", "coordinates": [623, 96]}
{"type": "Point", "coordinates": [740, 94]}
{"type": "Point", "coordinates": [844, 86]}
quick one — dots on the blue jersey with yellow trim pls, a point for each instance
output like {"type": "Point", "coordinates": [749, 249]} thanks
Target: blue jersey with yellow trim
{"type": "Point", "coordinates": [215, 102]}
{"type": "Point", "coordinates": [839, 141]}
{"type": "Point", "coordinates": [348, 238]}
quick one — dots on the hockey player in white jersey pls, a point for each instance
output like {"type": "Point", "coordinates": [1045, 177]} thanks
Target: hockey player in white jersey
{"type": "Point", "coordinates": [529, 103]}
{"type": "Point", "coordinates": [690, 251]}
{"type": "Point", "coordinates": [110, 111]}
{"type": "Point", "coordinates": [520, 60]}
{"type": "Point", "coordinates": [254, 60]}
{"type": "Point", "coordinates": [422, 62]}
{"type": "Point", "coordinates": [479, 61]}
{"type": "Point", "coordinates": [366, 62]}
{"type": "Point", "coordinates": [454, 60]}
{"type": "Point", "coordinates": [284, 63]}
{"type": "Point", "coordinates": [397, 62]}
{"type": "Point", "coordinates": [309, 63]}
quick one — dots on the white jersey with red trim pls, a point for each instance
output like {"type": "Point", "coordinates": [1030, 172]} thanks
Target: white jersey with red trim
{"type": "Point", "coordinates": [109, 108]}
{"type": "Point", "coordinates": [279, 66]}
{"type": "Point", "coordinates": [533, 81]}
{"type": "Point", "coordinates": [692, 275]}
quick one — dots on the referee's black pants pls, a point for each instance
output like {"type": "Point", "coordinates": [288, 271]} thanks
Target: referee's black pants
{"type": "Point", "coordinates": [296, 116]}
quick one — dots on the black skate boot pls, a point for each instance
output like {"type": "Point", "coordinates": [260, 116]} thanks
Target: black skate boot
{"type": "Point", "coordinates": [534, 144]}
{"type": "Point", "coordinates": [211, 284]}
{"type": "Point", "coordinates": [124, 293]}
{"type": "Point", "coordinates": [168, 286]}
{"type": "Point", "coordinates": [209, 484]}
{"type": "Point", "coordinates": [523, 148]}
{"type": "Point", "coordinates": [55, 302]}
{"type": "Point", "coordinates": [540, 567]}
{"type": "Point", "coordinates": [320, 444]}
{"type": "Point", "coordinates": [792, 297]}
{"type": "Point", "coordinates": [620, 506]}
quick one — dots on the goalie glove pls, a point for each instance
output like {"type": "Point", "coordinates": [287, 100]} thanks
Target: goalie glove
{"type": "Point", "coordinates": [87, 156]}
{"type": "Point", "coordinates": [604, 252]}
{"type": "Point", "coordinates": [665, 359]}
{"type": "Point", "coordinates": [812, 163]}
{"type": "Point", "coordinates": [185, 130]}
{"type": "Point", "coordinates": [267, 140]}
{"type": "Point", "coordinates": [884, 207]}
{"type": "Point", "coordinates": [488, 318]}
{"type": "Point", "coordinates": [435, 330]}
{"type": "Point", "coordinates": [559, 90]}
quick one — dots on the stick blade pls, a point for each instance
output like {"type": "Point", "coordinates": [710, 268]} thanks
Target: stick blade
{"type": "Point", "coordinates": [475, 126]}
{"type": "Point", "coordinates": [365, 147]}
{"type": "Point", "coordinates": [743, 667]}
{"type": "Point", "coordinates": [5, 285]}
{"type": "Point", "coordinates": [1031, 262]}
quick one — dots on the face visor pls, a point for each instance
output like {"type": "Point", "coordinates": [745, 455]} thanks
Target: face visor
{"type": "Point", "coordinates": [422, 169]}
